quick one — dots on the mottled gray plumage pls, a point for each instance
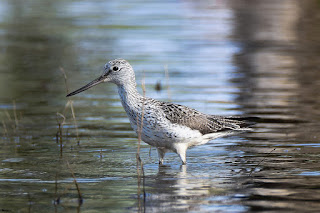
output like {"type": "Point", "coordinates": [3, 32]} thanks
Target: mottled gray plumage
{"type": "Point", "coordinates": [196, 120]}
{"type": "Point", "coordinates": [166, 126]}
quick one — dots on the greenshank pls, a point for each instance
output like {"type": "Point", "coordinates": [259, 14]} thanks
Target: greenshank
{"type": "Point", "coordinates": [166, 126]}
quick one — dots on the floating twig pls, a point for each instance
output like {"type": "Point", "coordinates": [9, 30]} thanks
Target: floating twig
{"type": "Point", "coordinates": [15, 113]}
{"type": "Point", "coordinates": [60, 126]}
{"type": "Point", "coordinates": [70, 103]}
{"type": "Point", "coordinates": [261, 161]}
{"type": "Point", "coordinates": [65, 79]}
{"type": "Point", "coordinates": [57, 197]}
{"type": "Point", "coordinates": [75, 121]}
{"type": "Point", "coordinates": [76, 184]}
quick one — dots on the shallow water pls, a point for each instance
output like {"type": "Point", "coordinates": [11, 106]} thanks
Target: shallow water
{"type": "Point", "coordinates": [223, 57]}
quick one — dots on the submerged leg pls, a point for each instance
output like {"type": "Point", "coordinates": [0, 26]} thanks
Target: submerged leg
{"type": "Point", "coordinates": [161, 153]}
{"type": "Point", "coordinates": [181, 150]}
{"type": "Point", "coordinates": [183, 158]}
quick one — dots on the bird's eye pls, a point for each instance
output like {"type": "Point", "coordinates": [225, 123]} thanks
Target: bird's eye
{"type": "Point", "coordinates": [115, 68]}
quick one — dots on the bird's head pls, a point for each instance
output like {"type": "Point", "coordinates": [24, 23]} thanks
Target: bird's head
{"type": "Point", "coordinates": [117, 71]}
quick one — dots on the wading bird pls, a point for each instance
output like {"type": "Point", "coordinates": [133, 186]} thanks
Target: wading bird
{"type": "Point", "coordinates": [166, 126]}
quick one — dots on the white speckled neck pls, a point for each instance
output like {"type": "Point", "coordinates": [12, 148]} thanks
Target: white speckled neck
{"type": "Point", "coordinates": [129, 94]}
{"type": "Point", "coordinates": [131, 101]}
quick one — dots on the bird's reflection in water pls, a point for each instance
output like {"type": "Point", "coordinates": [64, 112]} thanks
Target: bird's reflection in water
{"type": "Point", "coordinates": [178, 189]}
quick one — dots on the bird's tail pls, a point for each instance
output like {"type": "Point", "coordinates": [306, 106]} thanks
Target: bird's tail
{"type": "Point", "coordinates": [244, 121]}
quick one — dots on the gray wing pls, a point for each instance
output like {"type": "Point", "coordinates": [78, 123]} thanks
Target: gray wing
{"type": "Point", "coordinates": [206, 124]}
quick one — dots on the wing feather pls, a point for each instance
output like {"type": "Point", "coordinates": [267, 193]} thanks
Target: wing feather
{"type": "Point", "coordinates": [206, 124]}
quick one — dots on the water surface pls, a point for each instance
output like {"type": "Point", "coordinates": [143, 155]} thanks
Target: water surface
{"type": "Point", "coordinates": [256, 58]}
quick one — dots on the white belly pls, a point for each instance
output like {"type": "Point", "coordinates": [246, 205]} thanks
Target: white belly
{"type": "Point", "coordinates": [162, 133]}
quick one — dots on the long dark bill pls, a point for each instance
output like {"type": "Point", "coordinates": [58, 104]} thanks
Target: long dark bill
{"type": "Point", "coordinates": [91, 84]}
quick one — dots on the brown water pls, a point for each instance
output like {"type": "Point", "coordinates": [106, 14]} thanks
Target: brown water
{"type": "Point", "coordinates": [257, 58]}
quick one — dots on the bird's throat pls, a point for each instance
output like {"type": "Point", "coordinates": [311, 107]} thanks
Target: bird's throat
{"type": "Point", "coordinates": [131, 99]}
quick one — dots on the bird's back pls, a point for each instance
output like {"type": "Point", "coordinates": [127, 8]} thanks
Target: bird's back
{"type": "Point", "coordinates": [204, 123]}
{"type": "Point", "coordinates": [165, 123]}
